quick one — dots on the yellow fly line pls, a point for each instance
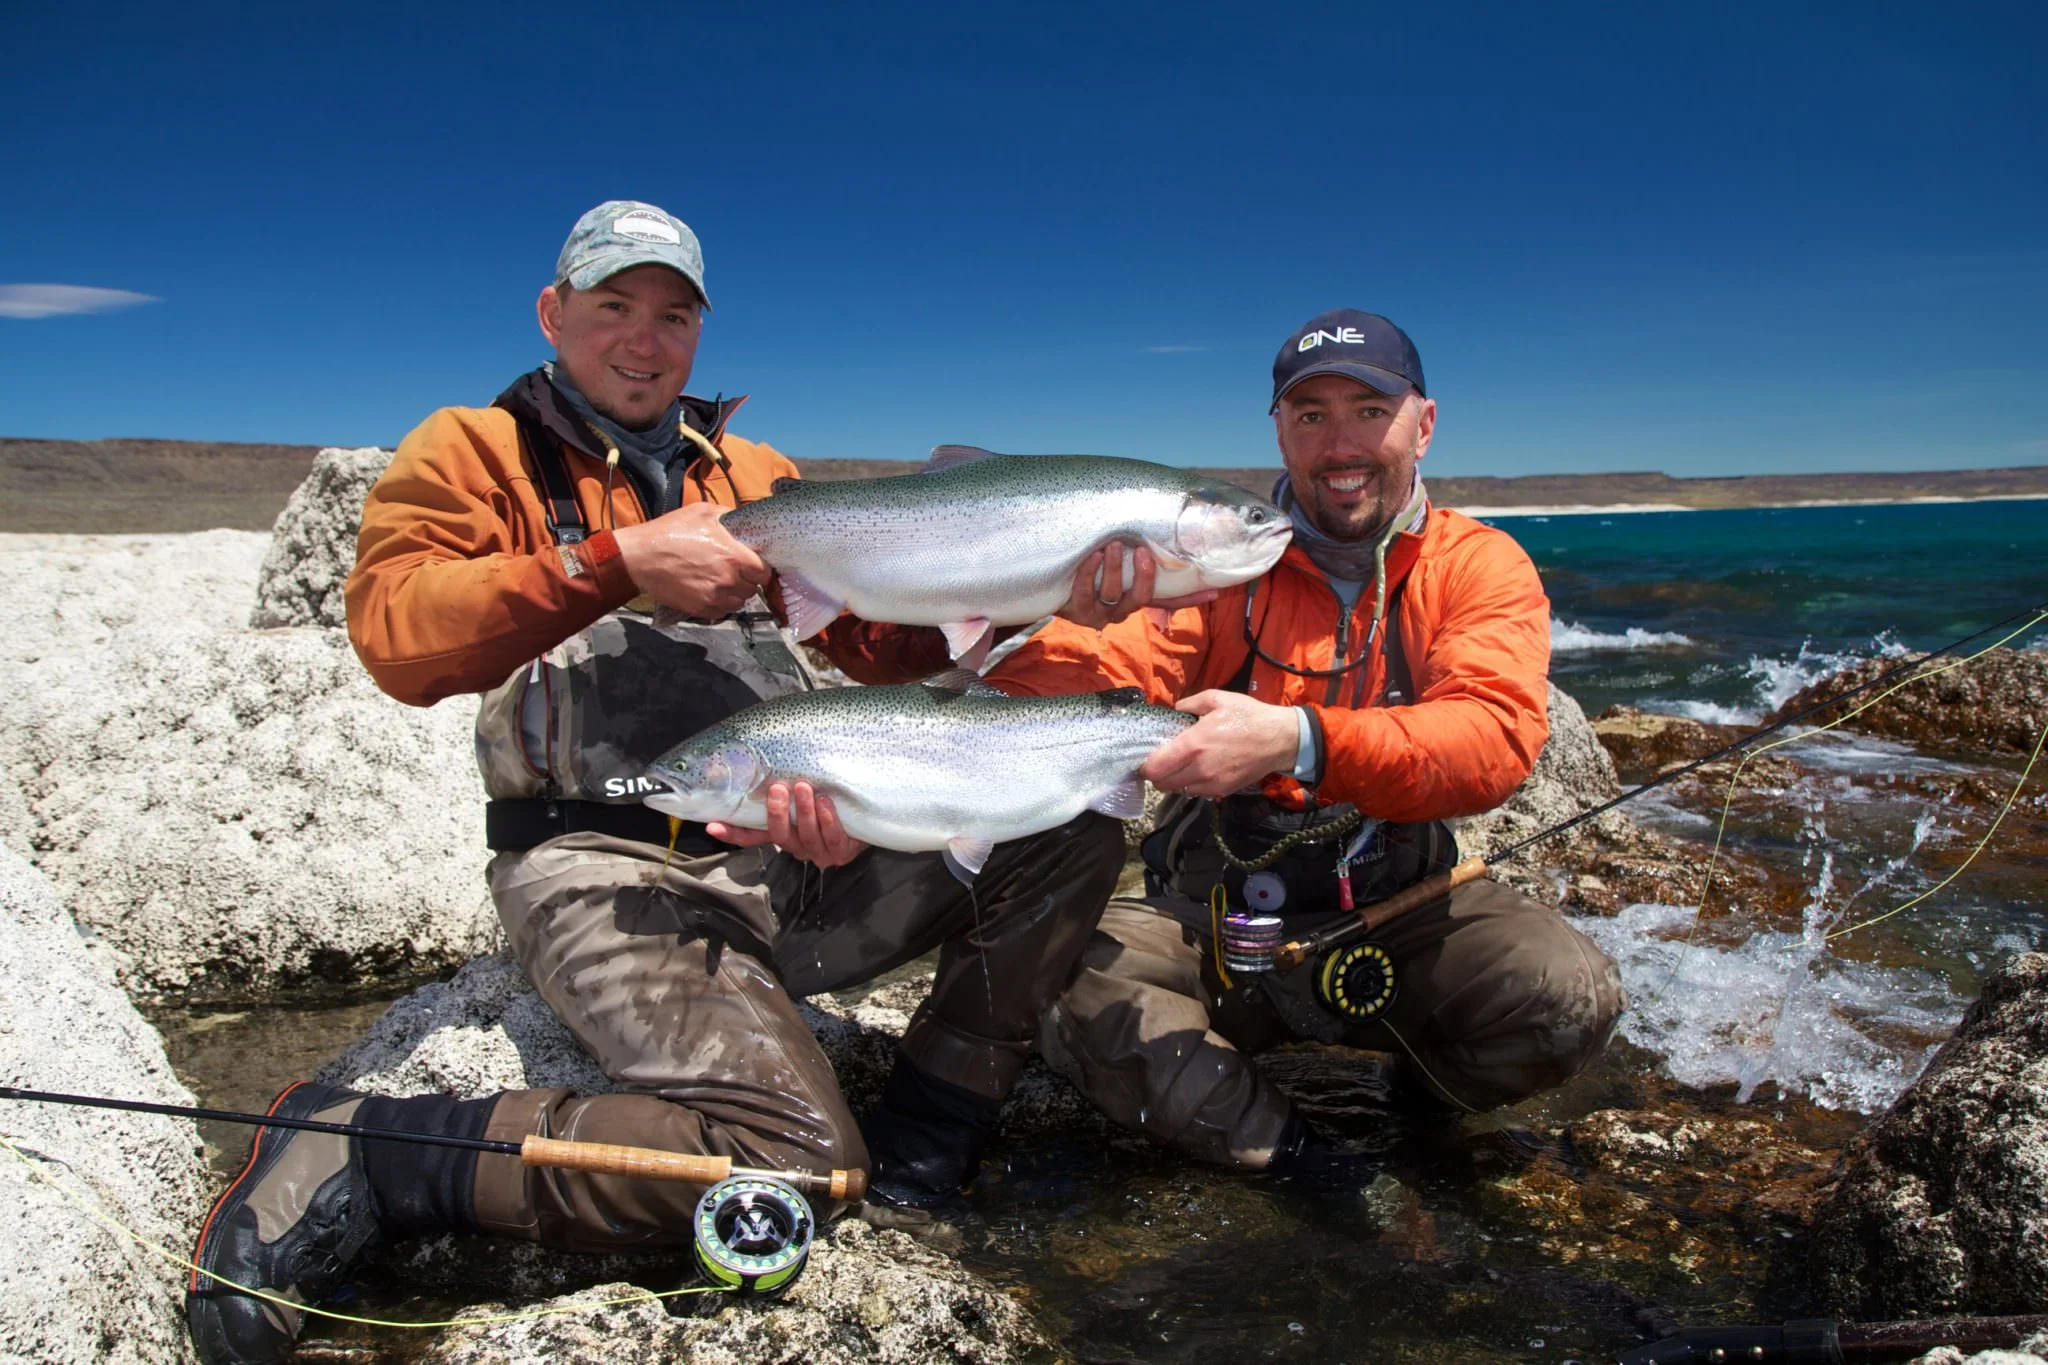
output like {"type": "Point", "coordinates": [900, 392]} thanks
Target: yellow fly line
{"type": "Point", "coordinates": [1735, 777]}
{"type": "Point", "coordinates": [481, 1320]}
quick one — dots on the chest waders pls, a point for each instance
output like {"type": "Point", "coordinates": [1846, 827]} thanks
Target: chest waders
{"type": "Point", "coordinates": [1269, 875]}
{"type": "Point", "coordinates": [582, 723]}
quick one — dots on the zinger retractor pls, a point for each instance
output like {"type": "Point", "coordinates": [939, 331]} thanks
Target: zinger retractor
{"type": "Point", "coordinates": [753, 1235]}
{"type": "Point", "coordinates": [1356, 981]}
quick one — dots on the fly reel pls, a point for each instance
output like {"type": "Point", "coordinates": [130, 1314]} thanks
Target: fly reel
{"type": "Point", "coordinates": [753, 1235]}
{"type": "Point", "coordinates": [1356, 981]}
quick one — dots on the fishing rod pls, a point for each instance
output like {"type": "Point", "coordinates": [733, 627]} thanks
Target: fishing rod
{"type": "Point", "coordinates": [1368, 918]}
{"type": "Point", "coordinates": [1823, 1341]}
{"type": "Point", "coordinates": [598, 1158]}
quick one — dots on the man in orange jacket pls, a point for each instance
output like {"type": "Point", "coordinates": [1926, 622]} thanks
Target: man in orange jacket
{"type": "Point", "coordinates": [520, 551]}
{"type": "Point", "coordinates": [1387, 675]}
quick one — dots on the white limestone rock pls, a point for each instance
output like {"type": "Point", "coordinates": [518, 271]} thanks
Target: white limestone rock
{"type": "Point", "coordinates": [229, 812]}
{"type": "Point", "coordinates": [72, 1289]}
{"type": "Point", "coordinates": [313, 543]}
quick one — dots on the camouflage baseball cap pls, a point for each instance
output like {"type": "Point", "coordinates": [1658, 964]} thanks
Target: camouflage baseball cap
{"type": "Point", "coordinates": [622, 233]}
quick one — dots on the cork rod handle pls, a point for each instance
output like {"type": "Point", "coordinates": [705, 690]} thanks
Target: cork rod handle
{"type": "Point", "coordinates": [1424, 891]}
{"type": "Point", "coordinates": [606, 1158]}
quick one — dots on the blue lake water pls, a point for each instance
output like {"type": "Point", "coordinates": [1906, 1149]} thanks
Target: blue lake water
{"type": "Point", "coordinates": [1723, 615]}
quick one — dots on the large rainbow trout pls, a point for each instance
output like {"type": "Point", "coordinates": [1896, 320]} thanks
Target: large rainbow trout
{"type": "Point", "coordinates": [951, 763]}
{"type": "Point", "coordinates": [978, 540]}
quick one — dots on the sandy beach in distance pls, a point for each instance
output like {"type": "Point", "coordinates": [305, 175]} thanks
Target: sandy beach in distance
{"type": "Point", "coordinates": [1608, 509]}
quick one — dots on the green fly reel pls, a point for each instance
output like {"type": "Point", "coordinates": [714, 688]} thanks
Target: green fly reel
{"type": "Point", "coordinates": [753, 1235]}
{"type": "Point", "coordinates": [1356, 981]}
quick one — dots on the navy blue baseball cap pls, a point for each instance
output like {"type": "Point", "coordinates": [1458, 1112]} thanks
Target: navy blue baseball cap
{"type": "Point", "coordinates": [1358, 345]}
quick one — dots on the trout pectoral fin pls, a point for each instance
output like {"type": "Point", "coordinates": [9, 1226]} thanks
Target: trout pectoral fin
{"type": "Point", "coordinates": [808, 607]}
{"type": "Point", "coordinates": [965, 856]}
{"type": "Point", "coordinates": [968, 640]}
{"type": "Point", "coordinates": [1124, 801]}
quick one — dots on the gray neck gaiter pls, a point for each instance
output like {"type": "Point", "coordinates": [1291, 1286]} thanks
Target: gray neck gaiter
{"type": "Point", "coordinates": [647, 453]}
{"type": "Point", "coordinates": [1357, 560]}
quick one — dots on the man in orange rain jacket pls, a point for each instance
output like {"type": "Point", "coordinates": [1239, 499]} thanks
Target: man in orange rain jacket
{"type": "Point", "coordinates": [1387, 675]}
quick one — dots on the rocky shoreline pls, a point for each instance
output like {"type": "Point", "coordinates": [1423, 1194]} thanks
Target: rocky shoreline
{"type": "Point", "coordinates": [205, 801]}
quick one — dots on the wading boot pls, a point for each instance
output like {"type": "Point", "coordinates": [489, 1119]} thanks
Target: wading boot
{"type": "Point", "coordinates": [293, 1223]}
{"type": "Point", "coordinates": [1303, 1157]}
{"type": "Point", "coordinates": [924, 1142]}
{"type": "Point", "coordinates": [308, 1205]}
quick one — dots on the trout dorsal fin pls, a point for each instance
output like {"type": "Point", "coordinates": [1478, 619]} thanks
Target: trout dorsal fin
{"type": "Point", "coordinates": [962, 682]}
{"type": "Point", "coordinates": [784, 484]}
{"type": "Point", "coordinates": [947, 457]}
{"type": "Point", "coordinates": [1115, 698]}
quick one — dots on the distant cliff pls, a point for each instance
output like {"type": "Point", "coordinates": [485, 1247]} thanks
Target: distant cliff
{"type": "Point", "coordinates": [144, 485]}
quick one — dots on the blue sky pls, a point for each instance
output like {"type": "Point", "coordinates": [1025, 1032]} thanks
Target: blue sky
{"type": "Point", "coordinates": [1719, 240]}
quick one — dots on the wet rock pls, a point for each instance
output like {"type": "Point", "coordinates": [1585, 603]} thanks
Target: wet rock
{"type": "Point", "coordinates": [1644, 1194]}
{"type": "Point", "coordinates": [2032, 1351]}
{"type": "Point", "coordinates": [865, 1296]}
{"type": "Point", "coordinates": [313, 544]}
{"type": "Point", "coordinates": [1997, 704]}
{"type": "Point", "coordinates": [231, 812]}
{"type": "Point", "coordinates": [72, 1289]}
{"type": "Point", "coordinates": [1609, 861]}
{"type": "Point", "coordinates": [1941, 1207]}
{"type": "Point", "coordinates": [1738, 1168]}
{"type": "Point", "coordinates": [485, 1031]}
{"type": "Point", "coordinates": [1645, 743]}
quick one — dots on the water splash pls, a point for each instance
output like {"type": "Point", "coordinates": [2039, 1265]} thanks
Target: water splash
{"type": "Point", "coordinates": [1715, 713]}
{"type": "Point", "coordinates": [1777, 1009]}
{"type": "Point", "coordinates": [1569, 637]}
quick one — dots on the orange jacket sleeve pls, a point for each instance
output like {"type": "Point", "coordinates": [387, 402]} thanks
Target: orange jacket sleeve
{"type": "Point", "coordinates": [1157, 652]}
{"type": "Point", "coordinates": [1477, 636]}
{"type": "Point", "coordinates": [451, 590]}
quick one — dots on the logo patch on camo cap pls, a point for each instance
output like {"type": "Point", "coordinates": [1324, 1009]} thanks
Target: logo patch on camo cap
{"type": "Point", "coordinates": [642, 226]}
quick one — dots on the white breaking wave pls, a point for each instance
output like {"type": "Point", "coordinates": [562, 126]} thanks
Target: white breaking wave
{"type": "Point", "coordinates": [1777, 681]}
{"type": "Point", "coordinates": [1778, 1009]}
{"type": "Point", "coordinates": [1569, 637]}
{"type": "Point", "coordinates": [1714, 713]}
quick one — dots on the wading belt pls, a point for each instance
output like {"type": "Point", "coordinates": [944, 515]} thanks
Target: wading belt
{"type": "Point", "coordinates": [513, 826]}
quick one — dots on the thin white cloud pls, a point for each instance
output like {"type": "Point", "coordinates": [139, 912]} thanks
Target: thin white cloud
{"type": "Point", "coordinates": [58, 300]}
{"type": "Point", "coordinates": [1170, 350]}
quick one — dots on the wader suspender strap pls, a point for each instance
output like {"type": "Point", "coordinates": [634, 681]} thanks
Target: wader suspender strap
{"type": "Point", "coordinates": [564, 517]}
{"type": "Point", "coordinates": [1398, 689]}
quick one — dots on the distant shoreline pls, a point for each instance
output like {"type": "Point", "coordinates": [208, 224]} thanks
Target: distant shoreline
{"type": "Point", "coordinates": [146, 486]}
{"type": "Point", "coordinates": [1628, 508]}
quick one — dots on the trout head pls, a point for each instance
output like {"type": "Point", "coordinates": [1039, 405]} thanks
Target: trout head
{"type": "Point", "coordinates": [711, 779]}
{"type": "Point", "coordinates": [1229, 535]}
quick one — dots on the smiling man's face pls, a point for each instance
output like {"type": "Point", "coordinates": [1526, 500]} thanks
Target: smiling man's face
{"type": "Point", "coordinates": [1351, 452]}
{"type": "Point", "coordinates": [627, 342]}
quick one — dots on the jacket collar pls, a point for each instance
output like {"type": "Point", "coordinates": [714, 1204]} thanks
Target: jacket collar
{"type": "Point", "coordinates": [533, 400]}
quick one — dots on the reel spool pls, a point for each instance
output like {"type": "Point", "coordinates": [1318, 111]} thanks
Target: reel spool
{"type": "Point", "coordinates": [1356, 981]}
{"type": "Point", "coordinates": [753, 1235]}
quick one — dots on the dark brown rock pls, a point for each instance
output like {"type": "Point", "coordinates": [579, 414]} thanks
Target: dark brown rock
{"type": "Point", "coordinates": [1997, 704]}
{"type": "Point", "coordinates": [1941, 1206]}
